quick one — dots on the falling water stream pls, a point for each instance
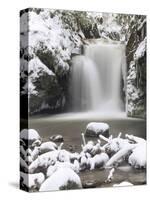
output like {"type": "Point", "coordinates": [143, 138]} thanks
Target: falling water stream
{"type": "Point", "coordinates": [96, 78]}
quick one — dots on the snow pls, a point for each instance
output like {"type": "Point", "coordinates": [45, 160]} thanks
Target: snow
{"type": "Point", "coordinates": [47, 146]}
{"type": "Point", "coordinates": [32, 180]}
{"type": "Point", "coordinates": [120, 155]}
{"type": "Point", "coordinates": [97, 127]}
{"type": "Point", "coordinates": [138, 157]}
{"type": "Point", "coordinates": [29, 134]}
{"type": "Point", "coordinates": [66, 165]}
{"type": "Point", "coordinates": [124, 183]}
{"type": "Point", "coordinates": [98, 160]}
{"type": "Point", "coordinates": [46, 34]}
{"type": "Point", "coordinates": [35, 69]}
{"type": "Point", "coordinates": [50, 158]}
{"type": "Point", "coordinates": [44, 161]}
{"type": "Point", "coordinates": [115, 144]}
{"type": "Point", "coordinates": [59, 179]}
{"type": "Point", "coordinates": [110, 175]}
{"type": "Point", "coordinates": [140, 51]}
{"type": "Point", "coordinates": [64, 156]}
{"type": "Point", "coordinates": [51, 169]}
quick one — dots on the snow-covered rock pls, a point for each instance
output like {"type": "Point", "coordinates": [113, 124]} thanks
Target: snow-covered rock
{"type": "Point", "coordinates": [57, 138]}
{"type": "Point", "coordinates": [74, 166]}
{"type": "Point", "coordinates": [47, 146]}
{"type": "Point", "coordinates": [43, 161]}
{"type": "Point", "coordinates": [29, 135]}
{"type": "Point", "coordinates": [99, 160]}
{"type": "Point", "coordinates": [138, 158]}
{"type": "Point", "coordinates": [50, 158]}
{"type": "Point", "coordinates": [92, 148]}
{"type": "Point", "coordinates": [97, 128]}
{"type": "Point", "coordinates": [63, 178]}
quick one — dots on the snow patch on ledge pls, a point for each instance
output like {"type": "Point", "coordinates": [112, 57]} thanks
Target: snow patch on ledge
{"type": "Point", "coordinates": [140, 50]}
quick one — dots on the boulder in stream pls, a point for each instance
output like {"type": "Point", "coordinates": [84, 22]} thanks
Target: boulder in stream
{"type": "Point", "coordinates": [57, 138]}
{"type": "Point", "coordinates": [94, 129]}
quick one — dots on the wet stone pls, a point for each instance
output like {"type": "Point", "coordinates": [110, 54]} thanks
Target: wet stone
{"type": "Point", "coordinates": [89, 184]}
{"type": "Point", "coordinates": [57, 138]}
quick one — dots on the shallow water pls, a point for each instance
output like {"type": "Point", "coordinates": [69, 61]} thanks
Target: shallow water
{"type": "Point", "coordinates": [71, 126]}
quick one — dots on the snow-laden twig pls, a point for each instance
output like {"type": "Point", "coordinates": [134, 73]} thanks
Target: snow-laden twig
{"type": "Point", "coordinates": [104, 138]}
{"type": "Point", "coordinates": [110, 175]}
{"type": "Point", "coordinates": [119, 135]}
{"type": "Point", "coordinates": [83, 139]}
{"type": "Point", "coordinates": [60, 146]}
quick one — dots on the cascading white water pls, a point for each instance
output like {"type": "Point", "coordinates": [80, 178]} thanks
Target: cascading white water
{"type": "Point", "coordinates": [96, 78]}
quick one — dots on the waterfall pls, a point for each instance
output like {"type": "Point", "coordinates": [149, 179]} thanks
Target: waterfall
{"type": "Point", "coordinates": [96, 76]}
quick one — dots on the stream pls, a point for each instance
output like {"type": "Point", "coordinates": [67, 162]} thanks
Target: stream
{"type": "Point", "coordinates": [70, 127]}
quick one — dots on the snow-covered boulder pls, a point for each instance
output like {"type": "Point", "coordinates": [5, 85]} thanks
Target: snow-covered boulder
{"type": "Point", "coordinates": [92, 148]}
{"type": "Point", "coordinates": [84, 162]}
{"type": "Point", "coordinates": [57, 138]}
{"type": "Point", "coordinates": [50, 158]}
{"type": "Point", "coordinates": [74, 166]}
{"type": "Point", "coordinates": [63, 178]}
{"type": "Point", "coordinates": [43, 161]}
{"type": "Point", "coordinates": [29, 136]}
{"type": "Point", "coordinates": [138, 157]}
{"type": "Point", "coordinates": [98, 160]}
{"type": "Point", "coordinates": [64, 156]}
{"type": "Point", "coordinates": [47, 146]}
{"type": "Point", "coordinates": [94, 129]}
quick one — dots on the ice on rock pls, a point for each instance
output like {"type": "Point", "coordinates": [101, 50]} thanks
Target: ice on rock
{"type": "Point", "coordinates": [63, 178]}
{"type": "Point", "coordinates": [97, 128]}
